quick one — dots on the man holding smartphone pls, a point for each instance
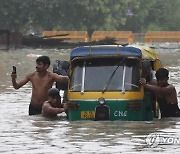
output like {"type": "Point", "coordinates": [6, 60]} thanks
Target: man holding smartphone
{"type": "Point", "coordinates": [42, 80]}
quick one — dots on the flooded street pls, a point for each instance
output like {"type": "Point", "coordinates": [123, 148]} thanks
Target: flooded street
{"type": "Point", "coordinates": [20, 133]}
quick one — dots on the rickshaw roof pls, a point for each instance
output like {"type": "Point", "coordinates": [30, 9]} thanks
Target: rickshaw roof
{"type": "Point", "coordinates": [148, 53]}
{"type": "Point", "coordinates": [114, 50]}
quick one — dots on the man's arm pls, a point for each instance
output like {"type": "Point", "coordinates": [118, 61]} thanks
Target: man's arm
{"type": "Point", "coordinates": [57, 77]}
{"type": "Point", "coordinates": [19, 84]}
{"type": "Point", "coordinates": [47, 108]}
{"type": "Point", "coordinates": [155, 88]}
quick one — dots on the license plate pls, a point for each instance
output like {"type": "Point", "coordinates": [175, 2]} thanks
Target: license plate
{"type": "Point", "coordinates": [87, 114]}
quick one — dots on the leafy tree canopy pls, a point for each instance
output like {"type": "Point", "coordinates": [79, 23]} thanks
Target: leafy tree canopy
{"type": "Point", "coordinates": [90, 15]}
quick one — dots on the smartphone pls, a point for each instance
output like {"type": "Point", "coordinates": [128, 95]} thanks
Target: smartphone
{"type": "Point", "coordinates": [14, 70]}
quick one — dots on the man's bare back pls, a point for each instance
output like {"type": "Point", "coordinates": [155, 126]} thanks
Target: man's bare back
{"type": "Point", "coordinates": [166, 94]}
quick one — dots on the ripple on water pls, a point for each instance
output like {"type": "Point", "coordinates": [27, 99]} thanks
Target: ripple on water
{"type": "Point", "coordinates": [20, 133]}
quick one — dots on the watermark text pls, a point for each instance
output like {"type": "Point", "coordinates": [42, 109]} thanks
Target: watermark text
{"type": "Point", "coordinates": [155, 139]}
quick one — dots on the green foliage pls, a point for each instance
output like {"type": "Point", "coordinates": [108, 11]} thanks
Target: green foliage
{"type": "Point", "coordinates": [90, 15]}
{"type": "Point", "coordinates": [153, 27]}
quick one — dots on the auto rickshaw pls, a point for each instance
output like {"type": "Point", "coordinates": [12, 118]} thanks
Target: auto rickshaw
{"type": "Point", "coordinates": [104, 83]}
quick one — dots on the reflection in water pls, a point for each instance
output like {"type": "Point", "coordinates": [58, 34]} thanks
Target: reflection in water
{"type": "Point", "coordinates": [20, 133]}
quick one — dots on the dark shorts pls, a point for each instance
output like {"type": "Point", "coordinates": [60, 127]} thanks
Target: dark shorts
{"type": "Point", "coordinates": [170, 110]}
{"type": "Point", "coordinates": [34, 110]}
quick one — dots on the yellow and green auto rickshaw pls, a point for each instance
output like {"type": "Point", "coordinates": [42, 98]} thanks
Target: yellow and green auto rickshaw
{"type": "Point", "coordinates": [104, 83]}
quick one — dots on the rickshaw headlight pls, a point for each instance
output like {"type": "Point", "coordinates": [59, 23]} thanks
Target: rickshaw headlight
{"type": "Point", "coordinates": [101, 101]}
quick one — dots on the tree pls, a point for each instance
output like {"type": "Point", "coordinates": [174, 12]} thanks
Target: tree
{"type": "Point", "coordinates": [90, 15]}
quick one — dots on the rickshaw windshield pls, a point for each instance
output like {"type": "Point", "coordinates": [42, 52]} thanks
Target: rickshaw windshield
{"type": "Point", "coordinates": [113, 74]}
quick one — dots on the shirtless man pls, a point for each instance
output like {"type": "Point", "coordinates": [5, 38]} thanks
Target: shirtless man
{"type": "Point", "coordinates": [42, 80]}
{"type": "Point", "coordinates": [166, 94]}
{"type": "Point", "coordinates": [53, 105]}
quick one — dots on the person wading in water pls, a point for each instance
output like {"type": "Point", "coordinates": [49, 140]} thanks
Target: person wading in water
{"type": "Point", "coordinates": [52, 107]}
{"type": "Point", "coordinates": [166, 94]}
{"type": "Point", "coordinates": [42, 80]}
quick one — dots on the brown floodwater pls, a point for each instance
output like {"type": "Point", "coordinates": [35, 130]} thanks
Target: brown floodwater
{"type": "Point", "coordinates": [20, 133]}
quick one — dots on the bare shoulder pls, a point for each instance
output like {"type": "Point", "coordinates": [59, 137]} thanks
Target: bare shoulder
{"type": "Point", "coordinates": [30, 75]}
{"type": "Point", "coordinates": [50, 74]}
{"type": "Point", "coordinates": [170, 86]}
{"type": "Point", "coordinates": [170, 89]}
{"type": "Point", "coordinates": [53, 74]}
{"type": "Point", "coordinates": [46, 104]}
{"type": "Point", "coordinates": [57, 77]}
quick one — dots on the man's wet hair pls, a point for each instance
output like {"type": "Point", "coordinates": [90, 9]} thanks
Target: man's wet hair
{"type": "Point", "coordinates": [53, 92]}
{"type": "Point", "coordinates": [43, 59]}
{"type": "Point", "coordinates": [162, 73]}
